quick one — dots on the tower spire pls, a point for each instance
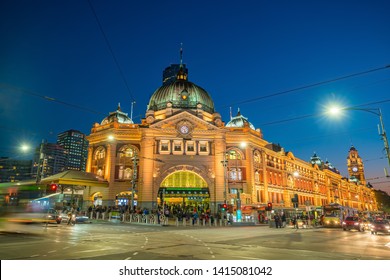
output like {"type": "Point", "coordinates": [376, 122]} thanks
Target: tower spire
{"type": "Point", "coordinates": [181, 55]}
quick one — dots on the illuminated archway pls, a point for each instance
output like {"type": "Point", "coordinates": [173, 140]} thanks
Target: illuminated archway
{"type": "Point", "coordinates": [184, 187]}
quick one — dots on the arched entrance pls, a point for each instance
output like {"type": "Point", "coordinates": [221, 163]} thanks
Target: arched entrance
{"type": "Point", "coordinates": [97, 198]}
{"type": "Point", "coordinates": [185, 190]}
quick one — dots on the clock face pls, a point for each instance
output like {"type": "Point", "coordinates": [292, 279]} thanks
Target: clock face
{"type": "Point", "coordinates": [354, 169]}
{"type": "Point", "coordinates": [184, 129]}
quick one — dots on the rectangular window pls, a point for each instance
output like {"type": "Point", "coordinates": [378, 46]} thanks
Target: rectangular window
{"type": "Point", "coordinates": [177, 147]}
{"type": "Point", "coordinates": [203, 147]}
{"type": "Point", "coordinates": [190, 147]}
{"type": "Point", "coordinates": [165, 147]}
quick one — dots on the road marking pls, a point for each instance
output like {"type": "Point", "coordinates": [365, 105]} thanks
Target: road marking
{"type": "Point", "coordinates": [89, 251]}
{"type": "Point", "coordinates": [136, 253]}
{"type": "Point", "coordinates": [248, 258]}
{"type": "Point", "coordinates": [52, 251]}
{"type": "Point", "coordinates": [129, 258]}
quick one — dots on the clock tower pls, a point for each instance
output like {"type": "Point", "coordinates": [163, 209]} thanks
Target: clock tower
{"type": "Point", "coordinates": [355, 165]}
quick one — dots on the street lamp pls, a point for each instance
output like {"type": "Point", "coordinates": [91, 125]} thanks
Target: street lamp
{"type": "Point", "coordinates": [225, 164]}
{"type": "Point", "coordinates": [41, 162]}
{"type": "Point", "coordinates": [376, 111]}
{"type": "Point", "coordinates": [135, 163]}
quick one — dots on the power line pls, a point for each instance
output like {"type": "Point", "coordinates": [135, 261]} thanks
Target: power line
{"type": "Point", "coordinates": [110, 49]}
{"type": "Point", "coordinates": [48, 98]}
{"type": "Point", "coordinates": [309, 86]}
{"type": "Point", "coordinates": [322, 114]}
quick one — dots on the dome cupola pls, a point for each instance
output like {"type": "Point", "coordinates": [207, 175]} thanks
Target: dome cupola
{"type": "Point", "coordinates": [239, 121]}
{"type": "Point", "coordinates": [181, 94]}
{"type": "Point", "coordinates": [118, 115]}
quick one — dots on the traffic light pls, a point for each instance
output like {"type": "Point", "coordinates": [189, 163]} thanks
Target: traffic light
{"type": "Point", "coordinates": [223, 206]}
{"type": "Point", "coordinates": [295, 198]}
{"type": "Point", "coordinates": [269, 206]}
{"type": "Point", "coordinates": [52, 188]}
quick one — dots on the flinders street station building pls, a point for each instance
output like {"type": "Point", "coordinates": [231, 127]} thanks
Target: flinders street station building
{"type": "Point", "coordinates": [183, 153]}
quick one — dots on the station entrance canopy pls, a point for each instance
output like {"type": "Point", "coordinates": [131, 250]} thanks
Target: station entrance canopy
{"type": "Point", "coordinates": [75, 178]}
{"type": "Point", "coordinates": [69, 177]}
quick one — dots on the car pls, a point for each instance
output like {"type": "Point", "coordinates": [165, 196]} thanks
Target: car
{"type": "Point", "coordinates": [52, 216]}
{"type": "Point", "coordinates": [353, 223]}
{"type": "Point", "coordinates": [380, 226]}
{"type": "Point", "coordinates": [79, 218]}
{"type": "Point", "coordinates": [367, 223]}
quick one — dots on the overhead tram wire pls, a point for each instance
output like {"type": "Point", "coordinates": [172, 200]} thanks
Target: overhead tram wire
{"type": "Point", "coordinates": [50, 99]}
{"type": "Point", "coordinates": [321, 114]}
{"type": "Point", "coordinates": [309, 86]}
{"type": "Point", "coordinates": [111, 51]}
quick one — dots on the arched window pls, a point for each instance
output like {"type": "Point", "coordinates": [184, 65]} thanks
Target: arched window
{"type": "Point", "coordinates": [125, 162]}
{"type": "Point", "coordinates": [98, 163]}
{"type": "Point", "coordinates": [100, 153]}
{"type": "Point", "coordinates": [257, 176]}
{"type": "Point", "coordinates": [233, 154]}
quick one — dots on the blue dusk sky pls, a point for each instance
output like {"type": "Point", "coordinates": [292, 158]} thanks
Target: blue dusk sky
{"type": "Point", "coordinates": [67, 64]}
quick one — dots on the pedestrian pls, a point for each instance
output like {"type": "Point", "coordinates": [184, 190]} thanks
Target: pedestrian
{"type": "Point", "coordinates": [283, 219]}
{"type": "Point", "coordinates": [277, 220]}
{"type": "Point", "coordinates": [231, 219]}
{"type": "Point", "coordinates": [295, 222]}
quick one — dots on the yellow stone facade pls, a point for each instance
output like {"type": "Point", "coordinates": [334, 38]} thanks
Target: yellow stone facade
{"type": "Point", "coordinates": [178, 150]}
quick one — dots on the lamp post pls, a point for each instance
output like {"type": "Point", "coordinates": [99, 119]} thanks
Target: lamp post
{"type": "Point", "coordinates": [225, 163]}
{"type": "Point", "coordinates": [41, 160]}
{"type": "Point", "coordinates": [135, 164]}
{"type": "Point", "coordinates": [381, 128]}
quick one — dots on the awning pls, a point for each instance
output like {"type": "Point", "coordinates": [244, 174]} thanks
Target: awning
{"type": "Point", "coordinates": [69, 177]}
{"type": "Point", "coordinates": [75, 178]}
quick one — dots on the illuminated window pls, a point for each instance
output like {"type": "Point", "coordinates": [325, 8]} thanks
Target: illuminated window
{"type": "Point", "coordinates": [235, 174]}
{"type": "Point", "coordinates": [164, 146]}
{"type": "Point", "coordinates": [203, 146]}
{"type": "Point", "coordinates": [190, 146]}
{"type": "Point", "coordinates": [177, 146]}
{"type": "Point", "coordinates": [257, 177]}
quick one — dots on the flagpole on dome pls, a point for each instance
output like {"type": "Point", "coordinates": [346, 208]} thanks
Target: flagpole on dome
{"type": "Point", "coordinates": [181, 55]}
{"type": "Point", "coordinates": [131, 111]}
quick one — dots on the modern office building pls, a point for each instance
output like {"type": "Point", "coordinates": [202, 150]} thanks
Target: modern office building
{"type": "Point", "coordinates": [14, 170]}
{"type": "Point", "coordinates": [76, 147]}
{"type": "Point", "coordinates": [49, 159]}
{"type": "Point", "coordinates": [183, 153]}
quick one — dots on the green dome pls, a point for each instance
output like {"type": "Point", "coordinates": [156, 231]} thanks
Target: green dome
{"type": "Point", "coordinates": [239, 121]}
{"type": "Point", "coordinates": [118, 115]}
{"type": "Point", "coordinates": [181, 94]}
